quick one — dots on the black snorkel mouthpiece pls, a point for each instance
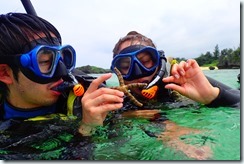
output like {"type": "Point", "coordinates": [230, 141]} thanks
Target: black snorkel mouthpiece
{"type": "Point", "coordinates": [64, 87]}
{"type": "Point", "coordinates": [71, 84]}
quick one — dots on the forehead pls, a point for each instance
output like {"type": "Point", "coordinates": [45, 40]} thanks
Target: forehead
{"type": "Point", "coordinates": [128, 43]}
{"type": "Point", "coordinates": [39, 35]}
{"type": "Point", "coordinates": [40, 39]}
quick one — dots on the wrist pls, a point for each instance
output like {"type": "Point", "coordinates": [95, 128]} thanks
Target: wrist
{"type": "Point", "coordinates": [214, 95]}
{"type": "Point", "coordinates": [86, 129]}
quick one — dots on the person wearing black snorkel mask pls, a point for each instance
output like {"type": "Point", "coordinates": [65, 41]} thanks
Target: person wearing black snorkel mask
{"type": "Point", "coordinates": [34, 65]}
{"type": "Point", "coordinates": [139, 61]}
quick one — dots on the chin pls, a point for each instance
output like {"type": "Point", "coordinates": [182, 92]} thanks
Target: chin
{"type": "Point", "coordinates": [137, 93]}
{"type": "Point", "coordinates": [51, 101]}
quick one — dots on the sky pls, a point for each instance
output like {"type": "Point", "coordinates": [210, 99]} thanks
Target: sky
{"type": "Point", "coordinates": [182, 28]}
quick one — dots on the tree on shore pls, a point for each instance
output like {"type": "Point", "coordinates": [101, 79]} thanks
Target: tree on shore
{"type": "Point", "coordinates": [226, 58]}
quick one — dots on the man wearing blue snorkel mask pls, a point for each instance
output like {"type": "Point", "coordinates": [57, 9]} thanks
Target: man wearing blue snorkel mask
{"type": "Point", "coordinates": [139, 61]}
{"type": "Point", "coordinates": [33, 64]}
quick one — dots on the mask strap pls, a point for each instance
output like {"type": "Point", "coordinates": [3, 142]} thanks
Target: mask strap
{"type": "Point", "coordinates": [41, 41]}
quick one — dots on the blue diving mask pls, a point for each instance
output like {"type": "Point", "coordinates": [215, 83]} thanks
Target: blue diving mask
{"type": "Point", "coordinates": [136, 61]}
{"type": "Point", "coordinates": [45, 64]}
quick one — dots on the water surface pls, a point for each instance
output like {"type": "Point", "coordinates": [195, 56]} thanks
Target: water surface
{"type": "Point", "coordinates": [128, 138]}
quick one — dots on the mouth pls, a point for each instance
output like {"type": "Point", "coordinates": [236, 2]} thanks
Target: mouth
{"type": "Point", "coordinates": [62, 87]}
{"type": "Point", "coordinates": [56, 85]}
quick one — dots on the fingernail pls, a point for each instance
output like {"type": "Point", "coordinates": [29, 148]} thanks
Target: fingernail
{"type": "Point", "coordinates": [122, 94]}
{"type": "Point", "coordinates": [176, 76]}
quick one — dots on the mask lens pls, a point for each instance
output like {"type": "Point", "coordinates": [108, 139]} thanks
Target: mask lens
{"type": "Point", "coordinates": [136, 61]}
{"type": "Point", "coordinates": [123, 64]}
{"type": "Point", "coordinates": [147, 59]}
{"type": "Point", "coordinates": [45, 59]}
{"type": "Point", "coordinates": [67, 56]}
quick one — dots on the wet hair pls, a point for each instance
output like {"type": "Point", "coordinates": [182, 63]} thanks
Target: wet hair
{"type": "Point", "coordinates": [18, 32]}
{"type": "Point", "coordinates": [132, 36]}
{"type": "Point", "coordinates": [18, 29]}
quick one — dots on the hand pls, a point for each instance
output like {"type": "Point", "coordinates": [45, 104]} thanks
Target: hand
{"type": "Point", "coordinates": [188, 79]}
{"type": "Point", "coordinates": [96, 103]}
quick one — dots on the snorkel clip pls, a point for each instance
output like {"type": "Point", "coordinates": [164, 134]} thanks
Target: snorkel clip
{"type": "Point", "coordinates": [78, 89]}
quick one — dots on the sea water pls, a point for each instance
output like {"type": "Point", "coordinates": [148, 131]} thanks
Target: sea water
{"type": "Point", "coordinates": [220, 126]}
{"type": "Point", "coordinates": [215, 133]}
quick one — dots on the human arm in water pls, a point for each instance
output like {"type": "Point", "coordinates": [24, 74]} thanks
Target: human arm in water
{"type": "Point", "coordinates": [97, 102]}
{"type": "Point", "coordinates": [188, 79]}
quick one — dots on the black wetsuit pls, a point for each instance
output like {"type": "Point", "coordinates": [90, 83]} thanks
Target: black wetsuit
{"type": "Point", "coordinates": [227, 97]}
{"type": "Point", "coordinates": [45, 138]}
{"type": "Point", "coordinates": [61, 105]}
{"type": "Point", "coordinates": [17, 134]}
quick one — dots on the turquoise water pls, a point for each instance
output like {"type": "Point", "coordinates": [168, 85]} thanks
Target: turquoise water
{"type": "Point", "coordinates": [209, 133]}
{"type": "Point", "coordinates": [226, 76]}
{"type": "Point", "coordinates": [220, 131]}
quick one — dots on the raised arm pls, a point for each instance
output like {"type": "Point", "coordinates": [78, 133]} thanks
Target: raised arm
{"type": "Point", "coordinates": [188, 79]}
{"type": "Point", "coordinates": [96, 103]}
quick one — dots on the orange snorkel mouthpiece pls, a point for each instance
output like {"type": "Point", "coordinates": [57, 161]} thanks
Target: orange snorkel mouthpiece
{"type": "Point", "coordinates": [150, 92]}
{"type": "Point", "coordinates": [78, 90]}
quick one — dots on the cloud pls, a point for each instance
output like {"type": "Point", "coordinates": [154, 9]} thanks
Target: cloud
{"type": "Point", "coordinates": [182, 28]}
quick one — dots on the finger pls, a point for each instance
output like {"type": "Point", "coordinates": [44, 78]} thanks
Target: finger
{"type": "Point", "coordinates": [103, 91]}
{"type": "Point", "coordinates": [174, 70]}
{"type": "Point", "coordinates": [192, 63]}
{"type": "Point", "coordinates": [98, 81]}
{"type": "Point", "coordinates": [110, 107]}
{"type": "Point", "coordinates": [178, 70]}
{"type": "Point", "coordinates": [105, 99]}
{"type": "Point", "coordinates": [175, 87]}
{"type": "Point", "coordinates": [169, 79]}
{"type": "Point", "coordinates": [181, 67]}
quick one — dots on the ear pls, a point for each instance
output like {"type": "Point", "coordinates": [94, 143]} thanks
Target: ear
{"type": "Point", "coordinates": [5, 74]}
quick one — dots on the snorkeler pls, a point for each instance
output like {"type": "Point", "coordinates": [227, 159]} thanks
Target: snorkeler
{"type": "Point", "coordinates": [36, 69]}
{"type": "Point", "coordinates": [139, 61]}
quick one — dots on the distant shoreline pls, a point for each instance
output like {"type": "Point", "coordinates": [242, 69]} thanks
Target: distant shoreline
{"type": "Point", "coordinates": [207, 68]}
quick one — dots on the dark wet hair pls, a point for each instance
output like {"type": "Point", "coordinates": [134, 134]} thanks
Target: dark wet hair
{"type": "Point", "coordinates": [18, 31]}
{"type": "Point", "coordinates": [132, 36]}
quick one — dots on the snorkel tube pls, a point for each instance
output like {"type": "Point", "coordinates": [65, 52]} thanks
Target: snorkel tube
{"type": "Point", "coordinates": [28, 7]}
{"type": "Point", "coordinates": [152, 88]}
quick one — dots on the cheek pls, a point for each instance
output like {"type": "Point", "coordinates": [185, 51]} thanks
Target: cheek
{"type": "Point", "coordinates": [151, 77]}
{"type": "Point", "coordinates": [23, 80]}
{"type": "Point", "coordinates": [26, 84]}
